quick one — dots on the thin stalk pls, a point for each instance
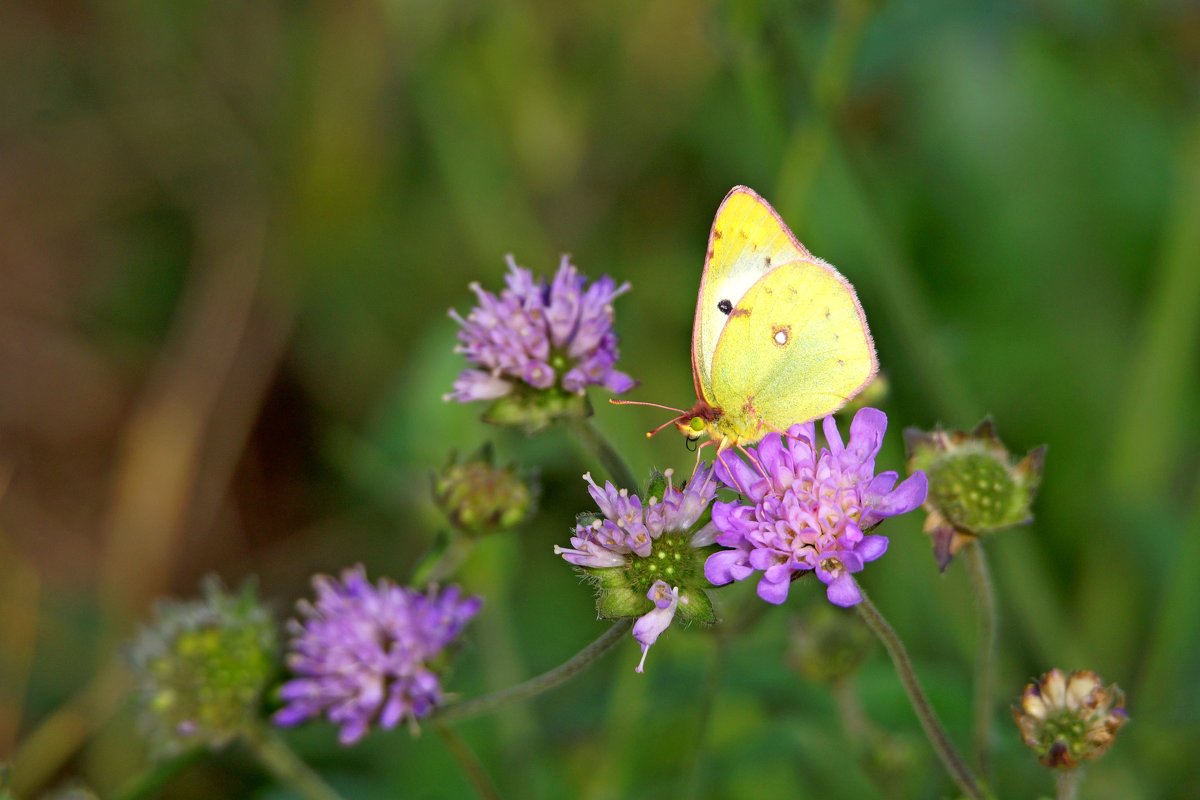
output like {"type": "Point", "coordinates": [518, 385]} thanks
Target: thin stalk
{"type": "Point", "coordinates": [552, 679]}
{"type": "Point", "coordinates": [942, 745]}
{"type": "Point", "coordinates": [985, 656]}
{"type": "Point", "coordinates": [471, 766]}
{"type": "Point", "coordinates": [594, 442]}
{"type": "Point", "coordinates": [1067, 783]}
{"type": "Point", "coordinates": [287, 767]}
{"type": "Point", "coordinates": [443, 560]}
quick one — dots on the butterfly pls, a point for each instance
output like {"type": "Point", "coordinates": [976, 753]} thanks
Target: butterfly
{"type": "Point", "coordinates": [779, 335]}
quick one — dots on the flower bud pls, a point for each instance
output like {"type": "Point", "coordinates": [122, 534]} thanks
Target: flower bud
{"type": "Point", "coordinates": [479, 498]}
{"type": "Point", "coordinates": [828, 643]}
{"type": "Point", "coordinates": [202, 667]}
{"type": "Point", "coordinates": [1067, 719]}
{"type": "Point", "coordinates": [872, 396]}
{"type": "Point", "coordinates": [975, 485]}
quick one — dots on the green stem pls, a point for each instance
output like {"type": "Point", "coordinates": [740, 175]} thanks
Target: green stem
{"type": "Point", "coordinates": [471, 766]}
{"type": "Point", "coordinates": [1067, 782]}
{"type": "Point", "coordinates": [942, 745]}
{"type": "Point", "coordinates": [554, 678]}
{"type": "Point", "coordinates": [594, 442]}
{"type": "Point", "coordinates": [985, 657]}
{"type": "Point", "coordinates": [287, 768]}
{"type": "Point", "coordinates": [443, 559]}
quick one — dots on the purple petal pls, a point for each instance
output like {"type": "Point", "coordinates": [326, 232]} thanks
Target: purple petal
{"type": "Point", "coordinates": [871, 547]}
{"type": "Point", "coordinates": [474, 384]}
{"type": "Point", "coordinates": [843, 591]}
{"type": "Point", "coordinates": [736, 473]}
{"type": "Point", "coordinates": [832, 436]}
{"type": "Point", "coordinates": [904, 498]}
{"type": "Point", "coordinates": [727, 566]}
{"type": "Point", "coordinates": [774, 593]}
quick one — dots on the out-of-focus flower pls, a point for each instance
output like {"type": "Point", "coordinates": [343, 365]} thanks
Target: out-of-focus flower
{"type": "Point", "coordinates": [975, 485]}
{"type": "Point", "coordinates": [201, 668]}
{"type": "Point", "coordinates": [805, 509]}
{"type": "Point", "coordinates": [1067, 719]}
{"type": "Point", "coordinates": [828, 644]}
{"type": "Point", "coordinates": [647, 559]}
{"type": "Point", "coordinates": [875, 393]}
{"type": "Point", "coordinates": [538, 345]}
{"type": "Point", "coordinates": [366, 653]}
{"type": "Point", "coordinates": [480, 498]}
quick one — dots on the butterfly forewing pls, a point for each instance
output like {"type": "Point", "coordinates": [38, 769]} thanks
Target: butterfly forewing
{"type": "Point", "coordinates": [748, 240]}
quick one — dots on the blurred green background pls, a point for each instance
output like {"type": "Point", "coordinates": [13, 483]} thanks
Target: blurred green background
{"type": "Point", "coordinates": [229, 234]}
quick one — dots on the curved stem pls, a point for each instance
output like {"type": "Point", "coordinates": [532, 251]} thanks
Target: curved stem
{"type": "Point", "coordinates": [1067, 783]}
{"type": "Point", "coordinates": [985, 656]}
{"type": "Point", "coordinates": [471, 766]}
{"type": "Point", "coordinates": [287, 767]}
{"type": "Point", "coordinates": [942, 745]}
{"type": "Point", "coordinates": [554, 678]}
{"type": "Point", "coordinates": [593, 440]}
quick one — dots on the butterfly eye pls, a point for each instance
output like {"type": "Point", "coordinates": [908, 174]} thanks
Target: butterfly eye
{"type": "Point", "coordinates": [725, 307]}
{"type": "Point", "coordinates": [697, 424]}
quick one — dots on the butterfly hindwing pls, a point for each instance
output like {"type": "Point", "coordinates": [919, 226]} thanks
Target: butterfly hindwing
{"type": "Point", "coordinates": [794, 348]}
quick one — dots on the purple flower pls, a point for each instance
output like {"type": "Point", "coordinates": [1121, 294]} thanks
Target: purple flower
{"type": "Point", "coordinates": [808, 509]}
{"type": "Point", "coordinates": [362, 652]}
{"type": "Point", "coordinates": [639, 551]}
{"type": "Point", "coordinates": [541, 335]}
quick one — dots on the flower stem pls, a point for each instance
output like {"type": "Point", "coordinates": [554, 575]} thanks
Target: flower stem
{"type": "Point", "coordinates": [472, 767]}
{"type": "Point", "coordinates": [443, 560]}
{"type": "Point", "coordinates": [554, 678]}
{"type": "Point", "coordinates": [283, 763]}
{"type": "Point", "coordinates": [1067, 782]}
{"type": "Point", "coordinates": [594, 442]}
{"type": "Point", "coordinates": [985, 657]}
{"type": "Point", "coordinates": [950, 758]}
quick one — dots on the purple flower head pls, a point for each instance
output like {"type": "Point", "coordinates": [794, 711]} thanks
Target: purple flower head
{"type": "Point", "coordinates": [362, 652]}
{"type": "Point", "coordinates": [648, 553]}
{"type": "Point", "coordinates": [808, 509]}
{"type": "Point", "coordinates": [540, 335]}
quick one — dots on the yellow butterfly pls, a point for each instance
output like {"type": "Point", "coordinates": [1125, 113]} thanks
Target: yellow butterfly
{"type": "Point", "coordinates": [779, 335]}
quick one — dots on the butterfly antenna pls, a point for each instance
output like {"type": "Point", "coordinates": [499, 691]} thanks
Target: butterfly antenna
{"type": "Point", "coordinates": [614, 401]}
{"type": "Point", "coordinates": [660, 427]}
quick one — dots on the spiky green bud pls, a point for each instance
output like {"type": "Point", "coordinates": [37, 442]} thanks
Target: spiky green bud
{"type": "Point", "coordinates": [479, 498]}
{"type": "Point", "coordinates": [828, 643]}
{"type": "Point", "coordinates": [1067, 719]}
{"type": "Point", "coordinates": [975, 486]}
{"type": "Point", "coordinates": [202, 667]}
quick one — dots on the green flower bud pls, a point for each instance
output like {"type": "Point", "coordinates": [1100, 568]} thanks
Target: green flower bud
{"type": "Point", "coordinates": [828, 643]}
{"type": "Point", "coordinates": [202, 667]}
{"type": "Point", "coordinates": [479, 498]}
{"type": "Point", "coordinates": [975, 485]}
{"type": "Point", "coordinates": [533, 411]}
{"type": "Point", "coordinates": [1067, 719]}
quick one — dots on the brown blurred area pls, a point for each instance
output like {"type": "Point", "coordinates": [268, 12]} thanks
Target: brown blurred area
{"type": "Point", "coordinates": [135, 465]}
